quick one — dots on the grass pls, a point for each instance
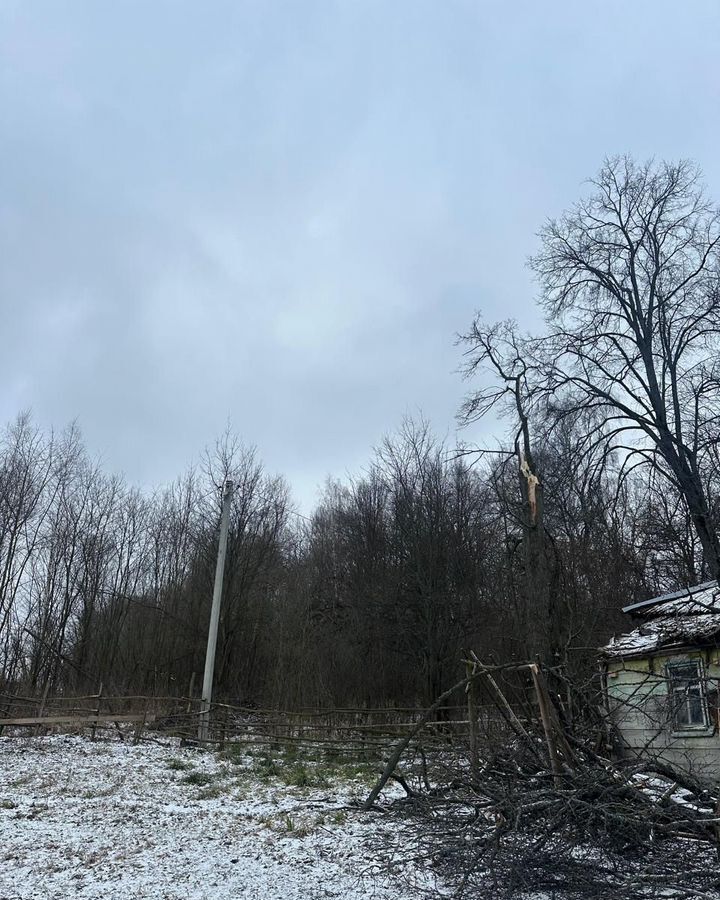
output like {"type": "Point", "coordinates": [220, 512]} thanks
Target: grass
{"type": "Point", "coordinates": [211, 793]}
{"type": "Point", "coordinates": [20, 782]}
{"type": "Point", "coordinates": [296, 775]}
{"type": "Point", "coordinates": [234, 753]}
{"type": "Point", "coordinates": [287, 825]}
{"type": "Point", "coordinates": [200, 779]}
{"type": "Point", "coordinates": [302, 768]}
{"type": "Point", "coordinates": [265, 767]}
{"type": "Point", "coordinates": [97, 793]}
{"type": "Point", "coordinates": [34, 812]}
{"type": "Point", "coordinates": [302, 776]}
{"type": "Point", "coordinates": [180, 765]}
{"type": "Point", "coordinates": [291, 754]}
{"type": "Point", "coordinates": [299, 767]}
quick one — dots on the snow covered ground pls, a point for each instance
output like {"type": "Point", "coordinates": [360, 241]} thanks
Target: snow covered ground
{"type": "Point", "coordinates": [110, 820]}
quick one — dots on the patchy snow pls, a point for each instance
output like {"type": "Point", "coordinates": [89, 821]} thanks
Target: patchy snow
{"type": "Point", "coordinates": [111, 820]}
{"type": "Point", "coordinates": [664, 632]}
{"type": "Point", "coordinates": [680, 618]}
{"type": "Point", "coordinates": [659, 788]}
{"type": "Point", "coordinates": [699, 598]}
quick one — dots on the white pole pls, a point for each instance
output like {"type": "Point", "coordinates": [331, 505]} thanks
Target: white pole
{"type": "Point", "coordinates": [204, 724]}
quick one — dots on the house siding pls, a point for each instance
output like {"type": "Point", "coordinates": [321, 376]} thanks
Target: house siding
{"type": "Point", "coordinates": [639, 707]}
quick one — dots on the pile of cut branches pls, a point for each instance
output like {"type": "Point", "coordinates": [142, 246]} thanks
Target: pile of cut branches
{"type": "Point", "coordinates": [515, 830]}
{"type": "Point", "coordinates": [545, 815]}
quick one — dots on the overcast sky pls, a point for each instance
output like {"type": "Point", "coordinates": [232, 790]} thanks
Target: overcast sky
{"type": "Point", "coordinates": [280, 214]}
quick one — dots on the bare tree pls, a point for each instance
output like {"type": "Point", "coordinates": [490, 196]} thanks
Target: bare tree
{"type": "Point", "coordinates": [500, 349]}
{"type": "Point", "coordinates": [630, 281]}
{"type": "Point", "coordinates": [27, 466]}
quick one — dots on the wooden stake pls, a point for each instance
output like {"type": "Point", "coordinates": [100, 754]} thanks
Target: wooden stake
{"type": "Point", "coordinates": [97, 711]}
{"type": "Point", "coordinates": [512, 718]}
{"type": "Point", "coordinates": [41, 708]}
{"type": "Point", "coordinates": [141, 725]}
{"type": "Point", "coordinates": [546, 724]}
{"type": "Point", "coordinates": [470, 689]}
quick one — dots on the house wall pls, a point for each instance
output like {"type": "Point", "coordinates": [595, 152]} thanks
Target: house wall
{"type": "Point", "coordinates": [637, 694]}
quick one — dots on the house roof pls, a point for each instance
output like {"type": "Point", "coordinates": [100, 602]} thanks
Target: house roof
{"type": "Point", "coordinates": [699, 593]}
{"type": "Point", "coordinates": [687, 617]}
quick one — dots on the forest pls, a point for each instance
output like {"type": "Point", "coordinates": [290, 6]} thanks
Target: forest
{"type": "Point", "coordinates": [601, 490]}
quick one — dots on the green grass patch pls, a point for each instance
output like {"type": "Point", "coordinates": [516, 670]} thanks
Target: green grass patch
{"type": "Point", "coordinates": [201, 779]}
{"type": "Point", "coordinates": [291, 754]}
{"type": "Point", "coordinates": [234, 753]}
{"type": "Point", "coordinates": [20, 782]}
{"type": "Point", "coordinates": [296, 829]}
{"type": "Point", "coordinates": [212, 792]}
{"type": "Point", "coordinates": [295, 765]}
{"type": "Point", "coordinates": [266, 768]}
{"type": "Point", "coordinates": [303, 776]}
{"type": "Point", "coordinates": [180, 765]}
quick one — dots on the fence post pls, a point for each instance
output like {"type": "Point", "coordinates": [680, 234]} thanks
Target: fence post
{"type": "Point", "coordinates": [6, 711]}
{"type": "Point", "coordinates": [141, 725]}
{"type": "Point", "coordinates": [97, 712]}
{"type": "Point", "coordinates": [41, 707]}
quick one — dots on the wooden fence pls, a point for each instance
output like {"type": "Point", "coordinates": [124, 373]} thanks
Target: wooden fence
{"type": "Point", "coordinates": [358, 731]}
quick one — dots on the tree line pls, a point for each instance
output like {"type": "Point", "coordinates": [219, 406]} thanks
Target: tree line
{"type": "Point", "coordinates": [602, 493]}
{"type": "Point", "coordinates": [370, 600]}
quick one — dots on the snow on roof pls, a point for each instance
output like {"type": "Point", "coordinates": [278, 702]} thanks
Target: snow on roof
{"type": "Point", "coordinates": [685, 617]}
{"type": "Point", "coordinates": [664, 633]}
{"type": "Point", "coordinates": [702, 595]}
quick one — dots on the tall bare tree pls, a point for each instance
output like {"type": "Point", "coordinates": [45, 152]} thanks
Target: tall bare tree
{"type": "Point", "coordinates": [630, 282]}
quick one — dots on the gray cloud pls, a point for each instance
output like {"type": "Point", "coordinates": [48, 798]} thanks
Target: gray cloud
{"type": "Point", "coordinates": [281, 214]}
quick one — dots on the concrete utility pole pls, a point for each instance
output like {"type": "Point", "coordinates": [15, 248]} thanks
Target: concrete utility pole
{"type": "Point", "coordinates": [204, 724]}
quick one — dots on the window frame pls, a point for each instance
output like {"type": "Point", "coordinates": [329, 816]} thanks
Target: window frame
{"type": "Point", "coordinates": [684, 684]}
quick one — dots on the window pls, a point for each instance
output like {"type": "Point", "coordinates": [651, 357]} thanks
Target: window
{"type": "Point", "coordinates": [688, 702]}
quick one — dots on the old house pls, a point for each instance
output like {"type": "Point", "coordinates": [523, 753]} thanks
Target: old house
{"type": "Point", "coordinates": [661, 680]}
